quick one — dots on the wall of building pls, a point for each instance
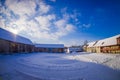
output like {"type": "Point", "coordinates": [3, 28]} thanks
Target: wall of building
{"type": "Point", "coordinates": [98, 49]}
{"type": "Point", "coordinates": [4, 46]}
{"type": "Point", "coordinates": [111, 49]}
{"type": "Point", "coordinates": [104, 49]}
{"type": "Point", "coordinates": [49, 50]}
{"type": "Point", "coordinates": [89, 49]}
{"type": "Point", "coordinates": [9, 47]}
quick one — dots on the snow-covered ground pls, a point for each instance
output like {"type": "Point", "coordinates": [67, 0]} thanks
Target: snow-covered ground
{"type": "Point", "coordinates": [47, 66]}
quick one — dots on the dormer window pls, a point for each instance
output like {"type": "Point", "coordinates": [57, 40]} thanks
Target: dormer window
{"type": "Point", "coordinates": [95, 43]}
{"type": "Point", "coordinates": [102, 43]}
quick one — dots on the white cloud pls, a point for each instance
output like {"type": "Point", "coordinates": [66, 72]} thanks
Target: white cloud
{"type": "Point", "coordinates": [51, 17]}
{"type": "Point", "coordinates": [2, 22]}
{"type": "Point", "coordinates": [21, 7]}
{"type": "Point", "coordinates": [72, 42]}
{"type": "Point", "coordinates": [86, 25]}
{"type": "Point", "coordinates": [60, 23]}
{"type": "Point", "coordinates": [73, 15]}
{"type": "Point", "coordinates": [53, 0]}
{"type": "Point", "coordinates": [43, 8]}
{"type": "Point", "coordinates": [43, 27]}
{"type": "Point", "coordinates": [63, 27]}
{"type": "Point", "coordinates": [70, 27]}
{"type": "Point", "coordinates": [45, 21]}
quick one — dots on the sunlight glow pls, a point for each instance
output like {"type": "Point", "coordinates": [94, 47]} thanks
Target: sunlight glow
{"type": "Point", "coordinates": [15, 31]}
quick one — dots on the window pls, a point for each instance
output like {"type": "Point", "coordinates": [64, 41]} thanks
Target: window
{"type": "Point", "coordinates": [102, 43]}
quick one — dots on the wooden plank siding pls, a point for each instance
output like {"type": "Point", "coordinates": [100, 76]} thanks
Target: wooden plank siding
{"type": "Point", "coordinates": [9, 47]}
{"type": "Point", "coordinates": [4, 46]}
{"type": "Point", "coordinates": [111, 49]}
{"type": "Point", "coordinates": [49, 50]}
{"type": "Point", "coordinates": [104, 49]}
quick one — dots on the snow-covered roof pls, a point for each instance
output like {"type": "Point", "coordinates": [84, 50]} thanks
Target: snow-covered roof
{"type": "Point", "coordinates": [50, 45]}
{"type": "Point", "coordinates": [90, 44]}
{"type": "Point", "coordinates": [4, 34]}
{"type": "Point", "coordinates": [104, 42]}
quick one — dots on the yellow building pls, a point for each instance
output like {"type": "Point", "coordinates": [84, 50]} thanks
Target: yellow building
{"type": "Point", "coordinates": [108, 45]}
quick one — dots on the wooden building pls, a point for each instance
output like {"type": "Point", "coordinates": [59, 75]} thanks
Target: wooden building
{"type": "Point", "coordinates": [49, 48]}
{"type": "Point", "coordinates": [108, 45]}
{"type": "Point", "coordinates": [12, 43]}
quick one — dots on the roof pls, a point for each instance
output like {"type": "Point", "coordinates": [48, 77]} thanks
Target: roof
{"type": "Point", "coordinates": [4, 34]}
{"type": "Point", "coordinates": [90, 44]}
{"type": "Point", "coordinates": [104, 42]}
{"type": "Point", "coordinates": [50, 45]}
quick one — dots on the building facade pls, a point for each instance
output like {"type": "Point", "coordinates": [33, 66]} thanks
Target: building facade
{"type": "Point", "coordinates": [108, 45]}
{"type": "Point", "coordinates": [49, 48]}
{"type": "Point", "coordinates": [11, 43]}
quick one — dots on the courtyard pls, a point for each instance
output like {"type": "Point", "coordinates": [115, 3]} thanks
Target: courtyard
{"type": "Point", "coordinates": [56, 66]}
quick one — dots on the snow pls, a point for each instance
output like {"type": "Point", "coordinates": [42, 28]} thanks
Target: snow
{"type": "Point", "coordinates": [45, 66]}
{"type": "Point", "coordinates": [13, 37]}
{"type": "Point", "coordinates": [50, 45]}
{"type": "Point", "coordinates": [104, 42]}
{"type": "Point", "coordinates": [74, 49]}
{"type": "Point", "coordinates": [90, 44]}
{"type": "Point", "coordinates": [108, 41]}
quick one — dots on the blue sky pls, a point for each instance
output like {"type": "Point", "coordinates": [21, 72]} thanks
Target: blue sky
{"type": "Point", "coordinates": [69, 22]}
